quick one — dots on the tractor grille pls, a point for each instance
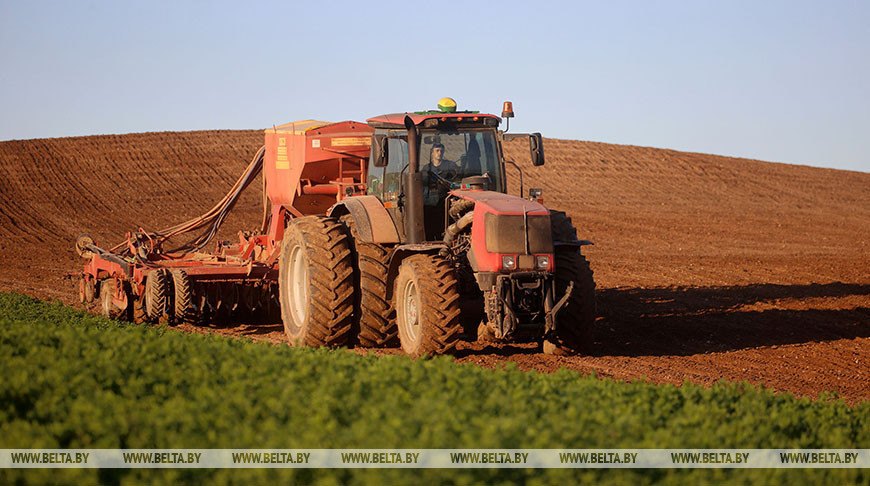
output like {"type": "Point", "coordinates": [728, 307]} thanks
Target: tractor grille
{"type": "Point", "coordinates": [505, 234]}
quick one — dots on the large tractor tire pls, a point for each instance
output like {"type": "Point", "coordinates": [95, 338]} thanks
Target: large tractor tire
{"type": "Point", "coordinates": [576, 320]}
{"type": "Point", "coordinates": [158, 285]}
{"type": "Point", "coordinates": [427, 306]}
{"type": "Point", "coordinates": [184, 307]}
{"type": "Point", "coordinates": [562, 228]}
{"type": "Point", "coordinates": [315, 279]}
{"type": "Point", "coordinates": [374, 315]}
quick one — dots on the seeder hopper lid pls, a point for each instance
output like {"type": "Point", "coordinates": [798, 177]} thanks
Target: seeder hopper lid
{"type": "Point", "coordinates": [298, 127]}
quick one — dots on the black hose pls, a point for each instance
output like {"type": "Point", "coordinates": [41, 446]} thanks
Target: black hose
{"type": "Point", "coordinates": [213, 223]}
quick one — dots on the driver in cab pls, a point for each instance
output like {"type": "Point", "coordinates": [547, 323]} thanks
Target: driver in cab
{"type": "Point", "coordinates": [438, 166]}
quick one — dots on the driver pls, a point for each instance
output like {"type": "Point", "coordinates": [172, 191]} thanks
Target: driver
{"type": "Point", "coordinates": [439, 165]}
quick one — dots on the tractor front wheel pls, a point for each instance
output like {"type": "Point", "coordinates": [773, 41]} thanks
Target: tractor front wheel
{"type": "Point", "coordinates": [426, 299]}
{"type": "Point", "coordinates": [315, 280]}
{"type": "Point", "coordinates": [575, 321]}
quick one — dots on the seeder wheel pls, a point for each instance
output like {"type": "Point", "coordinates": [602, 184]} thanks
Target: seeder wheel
{"type": "Point", "coordinates": [139, 310]}
{"type": "Point", "coordinates": [86, 290]}
{"type": "Point", "coordinates": [90, 291]}
{"type": "Point", "coordinates": [218, 302]}
{"type": "Point", "coordinates": [157, 288]}
{"type": "Point", "coordinates": [108, 288]}
{"type": "Point", "coordinates": [185, 311]}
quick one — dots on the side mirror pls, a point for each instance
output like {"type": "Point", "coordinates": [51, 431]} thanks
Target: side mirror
{"type": "Point", "coordinates": [379, 150]}
{"type": "Point", "coordinates": [536, 147]}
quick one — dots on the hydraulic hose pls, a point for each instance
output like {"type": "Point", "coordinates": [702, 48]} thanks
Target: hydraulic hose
{"type": "Point", "coordinates": [214, 218]}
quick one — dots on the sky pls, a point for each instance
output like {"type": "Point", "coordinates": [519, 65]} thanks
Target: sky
{"type": "Point", "coordinates": [781, 81]}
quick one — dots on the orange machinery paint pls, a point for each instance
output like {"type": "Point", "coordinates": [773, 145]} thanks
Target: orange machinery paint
{"type": "Point", "coordinates": [310, 165]}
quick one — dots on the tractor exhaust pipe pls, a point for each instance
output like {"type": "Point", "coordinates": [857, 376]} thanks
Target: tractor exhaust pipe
{"type": "Point", "coordinates": [414, 229]}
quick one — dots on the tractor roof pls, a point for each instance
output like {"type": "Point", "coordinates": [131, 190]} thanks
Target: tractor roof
{"type": "Point", "coordinates": [397, 120]}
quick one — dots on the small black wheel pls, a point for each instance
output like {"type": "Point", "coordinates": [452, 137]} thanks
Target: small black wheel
{"type": "Point", "coordinates": [139, 311]}
{"type": "Point", "coordinates": [184, 307]}
{"type": "Point", "coordinates": [158, 285]}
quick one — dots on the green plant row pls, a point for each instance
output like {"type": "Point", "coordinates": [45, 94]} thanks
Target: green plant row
{"type": "Point", "coordinates": [74, 380]}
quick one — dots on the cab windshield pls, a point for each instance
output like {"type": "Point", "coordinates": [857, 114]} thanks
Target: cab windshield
{"type": "Point", "coordinates": [454, 155]}
{"type": "Point", "coordinates": [446, 157]}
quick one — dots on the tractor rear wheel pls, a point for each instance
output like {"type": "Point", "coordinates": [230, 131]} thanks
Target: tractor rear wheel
{"type": "Point", "coordinates": [374, 315]}
{"type": "Point", "coordinates": [427, 305]}
{"type": "Point", "coordinates": [575, 321]}
{"type": "Point", "coordinates": [183, 302]}
{"type": "Point", "coordinates": [158, 285]}
{"type": "Point", "coordinates": [315, 280]}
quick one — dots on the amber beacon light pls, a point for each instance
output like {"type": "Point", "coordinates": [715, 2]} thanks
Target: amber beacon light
{"type": "Point", "coordinates": [507, 110]}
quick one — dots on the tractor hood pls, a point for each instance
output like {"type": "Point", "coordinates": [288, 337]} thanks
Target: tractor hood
{"type": "Point", "coordinates": [508, 226]}
{"type": "Point", "coordinates": [498, 203]}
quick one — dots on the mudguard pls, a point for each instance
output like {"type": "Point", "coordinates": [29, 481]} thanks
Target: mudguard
{"type": "Point", "coordinates": [403, 251]}
{"type": "Point", "coordinates": [373, 222]}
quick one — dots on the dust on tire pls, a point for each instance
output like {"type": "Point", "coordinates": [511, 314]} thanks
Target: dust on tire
{"type": "Point", "coordinates": [437, 305]}
{"type": "Point", "coordinates": [320, 253]}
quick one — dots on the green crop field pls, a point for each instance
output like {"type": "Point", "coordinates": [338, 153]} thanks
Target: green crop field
{"type": "Point", "coordinates": [73, 380]}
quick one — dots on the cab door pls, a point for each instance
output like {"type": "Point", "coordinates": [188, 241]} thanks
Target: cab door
{"type": "Point", "coordinates": [386, 182]}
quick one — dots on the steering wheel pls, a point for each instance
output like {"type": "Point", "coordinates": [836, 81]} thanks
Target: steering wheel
{"type": "Point", "coordinates": [447, 183]}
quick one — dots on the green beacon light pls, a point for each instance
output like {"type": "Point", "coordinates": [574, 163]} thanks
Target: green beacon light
{"type": "Point", "coordinates": [447, 105]}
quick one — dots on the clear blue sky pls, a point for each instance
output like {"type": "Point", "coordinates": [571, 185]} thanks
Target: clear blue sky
{"type": "Point", "coordinates": [783, 81]}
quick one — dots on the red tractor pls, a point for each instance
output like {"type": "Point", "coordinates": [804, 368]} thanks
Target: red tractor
{"type": "Point", "coordinates": [397, 231]}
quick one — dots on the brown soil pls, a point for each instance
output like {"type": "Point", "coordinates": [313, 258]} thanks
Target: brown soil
{"type": "Point", "coordinates": [707, 267]}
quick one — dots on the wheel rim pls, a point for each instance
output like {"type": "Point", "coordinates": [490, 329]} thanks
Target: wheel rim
{"type": "Point", "coordinates": [411, 311]}
{"type": "Point", "coordinates": [297, 284]}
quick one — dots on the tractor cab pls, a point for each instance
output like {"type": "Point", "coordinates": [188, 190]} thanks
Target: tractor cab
{"type": "Point", "coordinates": [455, 150]}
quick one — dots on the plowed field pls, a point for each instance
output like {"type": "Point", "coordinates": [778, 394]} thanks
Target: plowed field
{"type": "Point", "coordinates": [708, 267]}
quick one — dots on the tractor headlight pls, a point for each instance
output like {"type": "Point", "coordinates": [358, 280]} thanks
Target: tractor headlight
{"type": "Point", "coordinates": [508, 262]}
{"type": "Point", "coordinates": [542, 262]}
